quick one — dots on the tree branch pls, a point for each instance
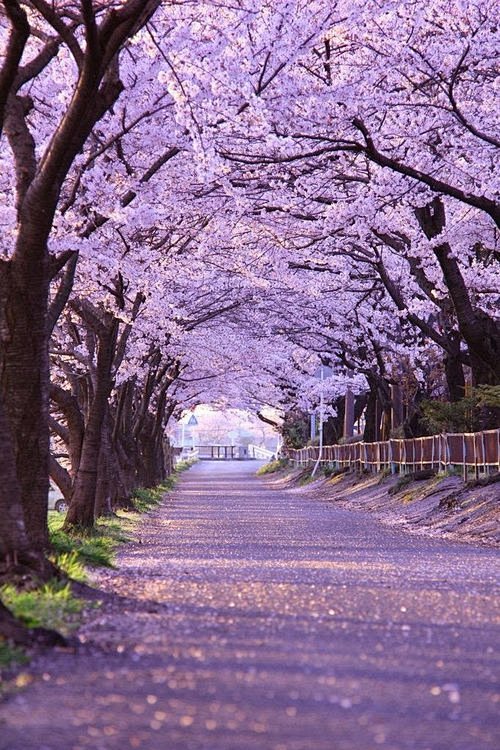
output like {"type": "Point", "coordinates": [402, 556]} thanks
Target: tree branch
{"type": "Point", "coordinates": [492, 208]}
{"type": "Point", "coordinates": [19, 34]}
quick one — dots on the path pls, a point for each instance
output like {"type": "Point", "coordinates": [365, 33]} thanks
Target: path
{"type": "Point", "coordinates": [270, 620]}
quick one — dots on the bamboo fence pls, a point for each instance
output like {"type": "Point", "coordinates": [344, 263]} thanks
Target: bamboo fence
{"type": "Point", "coordinates": [475, 453]}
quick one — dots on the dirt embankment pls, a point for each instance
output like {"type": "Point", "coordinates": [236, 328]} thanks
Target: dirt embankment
{"type": "Point", "coordinates": [436, 506]}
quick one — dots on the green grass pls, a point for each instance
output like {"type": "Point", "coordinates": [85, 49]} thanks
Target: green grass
{"type": "Point", "coordinates": [401, 483]}
{"type": "Point", "coordinates": [305, 479]}
{"type": "Point", "coordinates": [95, 548]}
{"type": "Point", "coordinates": [10, 655]}
{"type": "Point", "coordinates": [71, 564]}
{"type": "Point", "coordinates": [146, 499]}
{"type": "Point", "coordinates": [184, 465]}
{"type": "Point", "coordinates": [273, 466]}
{"type": "Point", "coordinates": [51, 606]}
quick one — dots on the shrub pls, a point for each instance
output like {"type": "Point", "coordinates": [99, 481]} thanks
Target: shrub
{"type": "Point", "coordinates": [463, 415]}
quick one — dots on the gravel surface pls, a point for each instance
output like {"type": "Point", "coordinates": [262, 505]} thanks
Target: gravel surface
{"type": "Point", "coordinates": [252, 618]}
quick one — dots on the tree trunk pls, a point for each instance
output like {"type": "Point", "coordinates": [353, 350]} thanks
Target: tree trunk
{"type": "Point", "coordinates": [333, 426]}
{"type": "Point", "coordinates": [24, 279]}
{"type": "Point", "coordinates": [24, 376]}
{"type": "Point", "coordinates": [348, 428]}
{"type": "Point", "coordinates": [396, 407]}
{"type": "Point", "coordinates": [106, 475]}
{"type": "Point", "coordinates": [480, 332]}
{"type": "Point", "coordinates": [370, 434]}
{"type": "Point", "coordinates": [60, 477]}
{"type": "Point", "coordinates": [68, 405]}
{"type": "Point", "coordinates": [16, 551]}
{"type": "Point", "coordinates": [15, 632]}
{"type": "Point", "coordinates": [454, 371]}
{"type": "Point", "coordinates": [81, 512]}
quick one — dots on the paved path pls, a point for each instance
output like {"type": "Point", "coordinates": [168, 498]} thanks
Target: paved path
{"type": "Point", "coordinates": [270, 620]}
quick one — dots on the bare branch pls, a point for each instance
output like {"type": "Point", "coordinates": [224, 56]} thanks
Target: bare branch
{"type": "Point", "coordinates": [63, 31]}
{"type": "Point", "coordinates": [18, 37]}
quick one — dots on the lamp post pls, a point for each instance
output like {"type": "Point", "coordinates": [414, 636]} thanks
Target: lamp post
{"type": "Point", "coordinates": [321, 419]}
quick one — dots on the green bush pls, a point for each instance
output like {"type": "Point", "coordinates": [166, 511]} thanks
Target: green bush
{"type": "Point", "coordinates": [463, 415]}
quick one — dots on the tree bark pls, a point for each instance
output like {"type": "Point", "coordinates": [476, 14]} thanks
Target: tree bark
{"type": "Point", "coordinates": [371, 431]}
{"type": "Point", "coordinates": [16, 550]}
{"type": "Point", "coordinates": [25, 278]}
{"type": "Point", "coordinates": [24, 373]}
{"type": "Point", "coordinates": [106, 475]}
{"type": "Point", "coordinates": [81, 512]}
{"type": "Point", "coordinates": [454, 371]}
{"type": "Point", "coordinates": [479, 330]}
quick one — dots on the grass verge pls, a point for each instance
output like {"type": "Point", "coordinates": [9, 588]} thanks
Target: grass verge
{"type": "Point", "coordinates": [11, 655]}
{"type": "Point", "coordinates": [53, 605]}
{"type": "Point", "coordinates": [94, 548]}
{"type": "Point", "coordinates": [272, 467]}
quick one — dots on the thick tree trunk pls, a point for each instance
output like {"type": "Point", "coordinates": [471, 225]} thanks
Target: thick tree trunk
{"type": "Point", "coordinates": [24, 279]}
{"type": "Point", "coordinates": [24, 376]}
{"type": "Point", "coordinates": [81, 512]}
{"type": "Point", "coordinates": [17, 553]}
{"type": "Point", "coordinates": [146, 466]}
{"type": "Point", "coordinates": [481, 333]}
{"type": "Point", "coordinates": [126, 460]}
{"type": "Point", "coordinates": [333, 427]}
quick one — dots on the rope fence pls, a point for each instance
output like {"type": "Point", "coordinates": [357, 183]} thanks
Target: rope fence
{"type": "Point", "coordinates": [476, 453]}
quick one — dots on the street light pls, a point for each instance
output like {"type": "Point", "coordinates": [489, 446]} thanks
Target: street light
{"type": "Point", "coordinates": [322, 372]}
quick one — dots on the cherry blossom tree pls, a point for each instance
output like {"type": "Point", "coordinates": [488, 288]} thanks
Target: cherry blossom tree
{"type": "Point", "coordinates": [204, 202]}
{"type": "Point", "coordinates": [60, 75]}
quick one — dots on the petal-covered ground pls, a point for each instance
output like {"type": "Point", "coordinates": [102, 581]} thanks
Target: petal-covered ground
{"type": "Point", "coordinates": [248, 617]}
